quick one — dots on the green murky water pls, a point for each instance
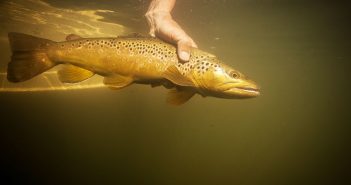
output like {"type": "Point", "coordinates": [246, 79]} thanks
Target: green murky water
{"type": "Point", "coordinates": [296, 132]}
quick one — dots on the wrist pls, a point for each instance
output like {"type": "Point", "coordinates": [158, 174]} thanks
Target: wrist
{"type": "Point", "coordinates": [164, 5]}
{"type": "Point", "coordinates": [161, 6]}
{"type": "Point", "coordinates": [158, 16]}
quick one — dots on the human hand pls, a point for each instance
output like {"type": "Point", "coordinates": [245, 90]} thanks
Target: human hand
{"type": "Point", "coordinates": [163, 26]}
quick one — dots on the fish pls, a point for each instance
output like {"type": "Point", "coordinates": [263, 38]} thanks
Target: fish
{"type": "Point", "coordinates": [127, 60]}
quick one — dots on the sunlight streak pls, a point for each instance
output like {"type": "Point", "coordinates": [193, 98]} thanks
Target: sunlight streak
{"type": "Point", "coordinates": [39, 18]}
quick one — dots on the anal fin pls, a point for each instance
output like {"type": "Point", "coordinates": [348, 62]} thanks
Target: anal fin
{"type": "Point", "coordinates": [165, 83]}
{"type": "Point", "coordinates": [73, 74]}
{"type": "Point", "coordinates": [118, 81]}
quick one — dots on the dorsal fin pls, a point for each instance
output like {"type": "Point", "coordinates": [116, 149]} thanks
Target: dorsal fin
{"type": "Point", "coordinates": [134, 35]}
{"type": "Point", "coordinates": [73, 37]}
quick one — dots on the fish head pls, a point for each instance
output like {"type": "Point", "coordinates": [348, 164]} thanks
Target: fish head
{"type": "Point", "coordinates": [214, 78]}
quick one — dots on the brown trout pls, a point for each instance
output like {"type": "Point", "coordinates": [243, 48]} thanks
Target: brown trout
{"type": "Point", "coordinates": [125, 60]}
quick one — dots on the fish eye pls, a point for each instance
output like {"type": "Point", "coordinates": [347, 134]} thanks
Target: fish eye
{"type": "Point", "coordinates": [234, 74]}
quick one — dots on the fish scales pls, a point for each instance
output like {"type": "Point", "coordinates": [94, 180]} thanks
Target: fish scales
{"type": "Point", "coordinates": [138, 57]}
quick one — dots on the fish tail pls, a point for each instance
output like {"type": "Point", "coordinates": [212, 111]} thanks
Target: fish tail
{"type": "Point", "coordinates": [29, 57]}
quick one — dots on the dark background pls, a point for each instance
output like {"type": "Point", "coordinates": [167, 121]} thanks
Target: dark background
{"type": "Point", "coordinates": [296, 132]}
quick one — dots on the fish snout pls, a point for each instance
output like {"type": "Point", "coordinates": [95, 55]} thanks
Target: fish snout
{"type": "Point", "coordinates": [243, 89]}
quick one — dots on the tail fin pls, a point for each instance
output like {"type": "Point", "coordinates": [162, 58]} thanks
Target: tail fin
{"type": "Point", "coordinates": [29, 57]}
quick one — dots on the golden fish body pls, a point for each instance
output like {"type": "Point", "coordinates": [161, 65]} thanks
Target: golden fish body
{"type": "Point", "coordinates": [139, 58]}
{"type": "Point", "coordinates": [126, 60]}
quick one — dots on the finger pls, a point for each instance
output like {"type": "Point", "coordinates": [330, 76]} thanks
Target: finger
{"type": "Point", "coordinates": [175, 33]}
{"type": "Point", "coordinates": [152, 32]}
{"type": "Point", "coordinates": [193, 44]}
{"type": "Point", "coordinates": [151, 24]}
{"type": "Point", "coordinates": [184, 48]}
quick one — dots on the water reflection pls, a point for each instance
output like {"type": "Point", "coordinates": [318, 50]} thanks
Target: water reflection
{"type": "Point", "coordinates": [42, 19]}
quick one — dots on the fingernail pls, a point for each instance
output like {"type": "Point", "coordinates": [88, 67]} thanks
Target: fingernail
{"type": "Point", "coordinates": [184, 55]}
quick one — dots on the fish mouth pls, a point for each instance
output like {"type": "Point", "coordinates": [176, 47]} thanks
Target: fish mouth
{"type": "Point", "coordinates": [248, 89]}
{"type": "Point", "coordinates": [244, 92]}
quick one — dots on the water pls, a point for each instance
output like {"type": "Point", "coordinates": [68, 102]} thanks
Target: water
{"type": "Point", "coordinates": [296, 132]}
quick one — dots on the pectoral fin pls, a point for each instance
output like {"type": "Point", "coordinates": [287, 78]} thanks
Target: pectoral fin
{"type": "Point", "coordinates": [73, 74]}
{"type": "Point", "coordinates": [118, 81]}
{"type": "Point", "coordinates": [174, 75]}
{"type": "Point", "coordinates": [178, 96]}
